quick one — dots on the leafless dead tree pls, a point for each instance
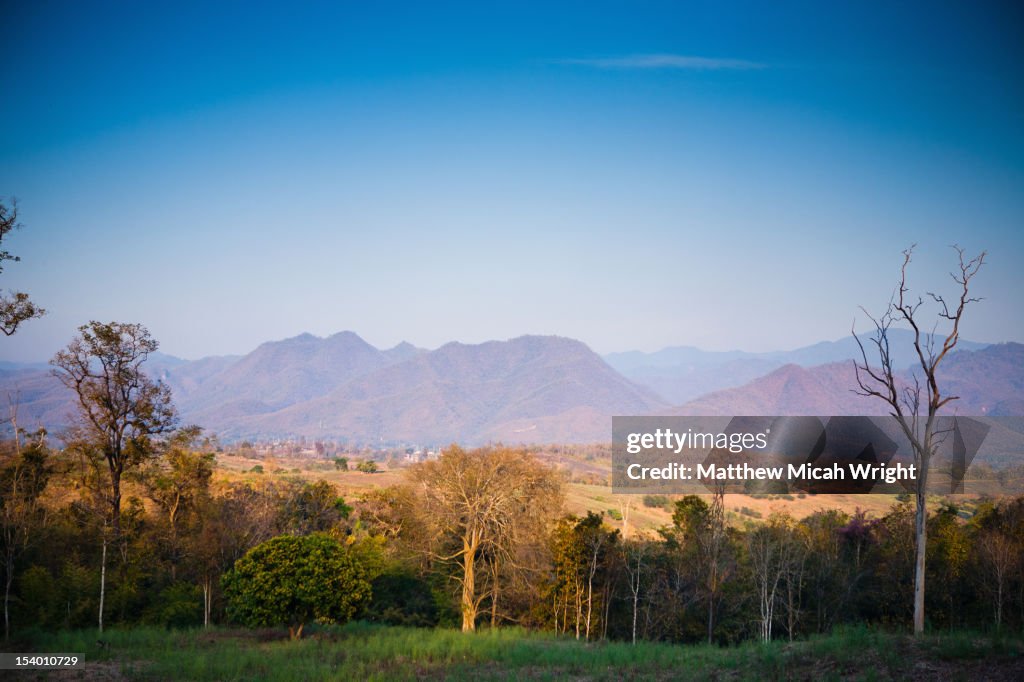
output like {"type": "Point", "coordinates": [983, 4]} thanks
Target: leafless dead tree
{"type": "Point", "coordinates": [483, 502]}
{"type": "Point", "coordinates": [914, 406]}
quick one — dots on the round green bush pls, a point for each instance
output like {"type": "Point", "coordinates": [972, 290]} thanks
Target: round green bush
{"type": "Point", "coordinates": [290, 580]}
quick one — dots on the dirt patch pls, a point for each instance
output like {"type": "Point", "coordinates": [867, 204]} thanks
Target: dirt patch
{"type": "Point", "coordinates": [97, 671]}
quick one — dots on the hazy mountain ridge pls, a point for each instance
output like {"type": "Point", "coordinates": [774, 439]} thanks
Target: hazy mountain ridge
{"type": "Point", "coordinates": [528, 389]}
{"type": "Point", "coordinates": [682, 373]}
{"type": "Point", "coordinates": [988, 382]}
{"type": "Point", "coordinates": [550, 388]}
{"type": "Point", "coordinates": [789, 390]}
{"type": "Point", "coordinates": [467, 393]}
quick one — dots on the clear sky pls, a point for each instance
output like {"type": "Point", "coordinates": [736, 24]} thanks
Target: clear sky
{"type": "Point", "coordinates": [634, 175]}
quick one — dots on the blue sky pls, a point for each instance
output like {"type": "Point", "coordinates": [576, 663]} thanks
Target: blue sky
{"type": "Point", "coordinates": [635, 175]}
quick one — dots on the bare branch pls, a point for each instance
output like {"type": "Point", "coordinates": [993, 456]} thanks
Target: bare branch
{"type": "Point", "coordinates": [905, 398]}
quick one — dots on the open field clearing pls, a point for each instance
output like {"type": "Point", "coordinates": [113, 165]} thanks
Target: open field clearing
{"type": "Point", "coordinates": [361, 651]}
{"type": "Point", "coordinates": [623, 511]}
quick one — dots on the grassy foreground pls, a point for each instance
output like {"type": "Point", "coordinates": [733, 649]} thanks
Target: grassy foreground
{"type": "Point", "coordinates": [361, 651]}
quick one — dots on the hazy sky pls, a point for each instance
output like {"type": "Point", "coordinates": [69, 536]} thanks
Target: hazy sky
{"type": "Point", "coordinates": [634, 175]}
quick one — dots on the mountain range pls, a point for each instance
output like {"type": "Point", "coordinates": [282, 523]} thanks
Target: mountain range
{"type": "Point", "coordinates": [529, 389]}
{"type": "Point", "coordinates": [987, 382]}
{"type": "Point", "coordinates": [682, 373]}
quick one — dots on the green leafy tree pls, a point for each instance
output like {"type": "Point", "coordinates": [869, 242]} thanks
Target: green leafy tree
{"type": "Point", "coordinates": [291, 580]}
{"type": "Point", "coordinates": [401, 598]}
{"type": "Point", "coordinates": [581, 552]}
{"type": "Point", "coordinates": [313, 508]}
{"type": "Point", "coordinates": [24, 474]}
{"type": "Point", "coordinates": [122, 414]}
{"type": "Point", "coordinates": [178, 484]}
{"type": "Point", "coordinates": [702, 527]}
{"type": "Point", "coordinates": [16, 306]}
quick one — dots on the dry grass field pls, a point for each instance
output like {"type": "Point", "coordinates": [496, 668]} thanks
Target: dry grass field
{"type": "Point", "coordinates": [627, 512]}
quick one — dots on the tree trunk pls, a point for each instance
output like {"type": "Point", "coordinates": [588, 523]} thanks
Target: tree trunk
{"type": "Point", "coordinates": [921, 531]}
{"type": "Point", "coordinates": [634, 584]}
{"type": "Point", "coordinates": [590, 603]}
{"type": "Point", "coordinates": [715, 554]}
{"type": "Point", "coordinates": [711, 616]}
{"type": "Point", "coordinates": [607, 610]}
{"type": "Point", "coordinates": [919, 568]}
{"type": "Point", "coordinates": [998, 559]}
{"type": "Point", "coordinates": [207, 588]}
{"type": "Point", "coordinates": [998, 607]}
{"type": "Point", "coordinates": [7, 597]}
{"type": "Point", "coordinates": [103, 579]}
{"type": "Point", "coordinates": [579, 607]}
{"type": "Point", "coordinates": [565, 610]}
{"type": "Point", "coordinates": [468, 585]}
{"type": "Point", "coordinates": [115, 501]}
{"type": "Point", "coordinates": [790, 614]}
{"type": "Point", "coordinates": [494, 596]}
{"type": "Point", "coordinates": [636, 595]}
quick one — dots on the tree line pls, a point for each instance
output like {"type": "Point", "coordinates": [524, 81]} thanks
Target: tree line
{"type": "Point", "coordinates": [477, 538]}
{"type": "Point", "coordinates": [125, 523]}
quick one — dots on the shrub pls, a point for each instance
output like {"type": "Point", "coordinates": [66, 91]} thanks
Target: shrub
{"type": "Point", "coordinates": [180, 605]}
{"type": "Point", "coordinates": [655, 501]}
{"type": "Point", "coordinates": [402, 599]}
{"type": "Point", "coordinates": [40, 596]}
{"type": "Point", "coordinates": [290, 580]}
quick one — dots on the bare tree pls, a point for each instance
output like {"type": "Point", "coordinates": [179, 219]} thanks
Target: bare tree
{"type": "Point", "coordinates": [625, 507]}
{"type": "Point", "coordinates": [716, 555]}
{"type": "Point", "coordinates": [793, 576]}
{"type": "Point", "coordinates": [765, 550]}
{"type": "Point", "coordinates": [999, 555]}
{"type": "Point", "coordinates": [634, 552]}
{"type": "Point", "coordinates": [703, 528]}
{"type": "Point", "coordinates": [914, 406]}
{"type": "Point", "coordinates": [16, 306]}
{"type": "Point", "coordinates": [229, 525]}
{"type": "Point", "coordinates": [483, 501]}
{"type": "Point", "coordinates": [777, 558]}
{"type": "Point", "coordinates": [582, 552]}
{"type": "Point", "coordinates": [595, 545]}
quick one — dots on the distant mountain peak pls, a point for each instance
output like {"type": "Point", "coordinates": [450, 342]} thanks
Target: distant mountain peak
{"type": "Point", "coordinates": [346, 334]}
{"type": "Point", "coordinates": [403, 351]}
{"type": "Point", "coordinates": [987, 381]}
{"type": "Point", "coordinates": [539, 388]}
{"type": "Point", "coordinates": [682, 373]}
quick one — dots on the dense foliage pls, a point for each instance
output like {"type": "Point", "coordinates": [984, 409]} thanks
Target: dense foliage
{"type": "Point", "coordinates": [276, 549]}
{"type": "Point", "coordinates": [294, 579]}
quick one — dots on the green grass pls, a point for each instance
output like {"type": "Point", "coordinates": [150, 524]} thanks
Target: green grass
{"type": "Point", "coordinates": [362, 651]}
